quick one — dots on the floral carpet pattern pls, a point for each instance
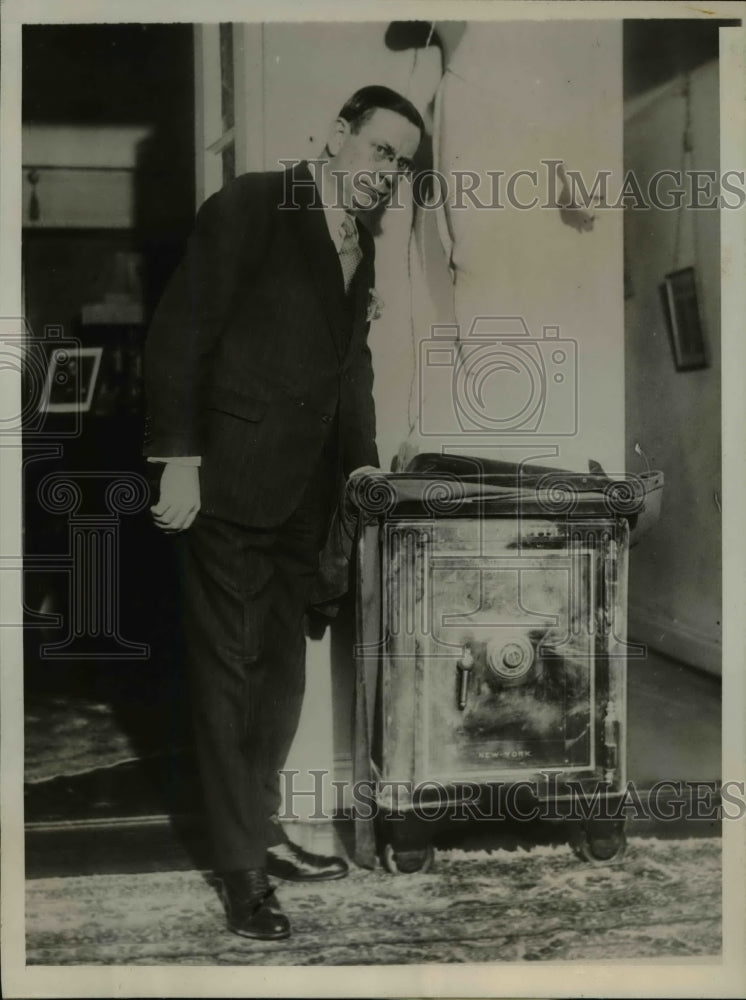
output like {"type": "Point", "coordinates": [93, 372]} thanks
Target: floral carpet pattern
{"type": "Point", "coordinates": [662, 900]}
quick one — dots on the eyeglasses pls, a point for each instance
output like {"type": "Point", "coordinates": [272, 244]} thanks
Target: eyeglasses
{"type": "Point", "coordinates": [383, 153]}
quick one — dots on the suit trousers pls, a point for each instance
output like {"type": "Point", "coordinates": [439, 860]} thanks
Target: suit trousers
{"type": "Point", "coordinates": [245, 592]}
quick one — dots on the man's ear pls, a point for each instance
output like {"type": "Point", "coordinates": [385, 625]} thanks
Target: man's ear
{"type": "Point", "coordinates": [338, 132]}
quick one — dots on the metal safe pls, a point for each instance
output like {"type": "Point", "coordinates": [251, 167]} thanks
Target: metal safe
{"type": "Point", "coordinates": [491, 643]}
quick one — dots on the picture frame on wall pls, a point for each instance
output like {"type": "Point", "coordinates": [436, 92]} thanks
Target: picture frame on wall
{"type": "Point", "coordinates": [683, 319]}
{"type": "Point", "coordinates": [71, 380]}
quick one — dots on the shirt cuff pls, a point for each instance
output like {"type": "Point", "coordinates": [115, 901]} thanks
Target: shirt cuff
{"type": "Point", "coordinates": [192, 460]}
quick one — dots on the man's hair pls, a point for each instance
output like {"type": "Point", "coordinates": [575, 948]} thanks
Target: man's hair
{"type": "Point", "coordinates": [359, 108]}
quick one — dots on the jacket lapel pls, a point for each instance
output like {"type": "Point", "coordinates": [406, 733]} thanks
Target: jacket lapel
{"type": "Point", "coordinates": [362, 285]}
{"type": "Point", "coordinates": [320, 253]}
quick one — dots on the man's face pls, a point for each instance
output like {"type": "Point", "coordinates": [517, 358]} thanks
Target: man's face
{"type": "Point", "coordinates": [372, 160]}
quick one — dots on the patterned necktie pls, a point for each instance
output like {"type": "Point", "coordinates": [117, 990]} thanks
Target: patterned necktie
{"type": "Point", "coordinates": [350, 253]}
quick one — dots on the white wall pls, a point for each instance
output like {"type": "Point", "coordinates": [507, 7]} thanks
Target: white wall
{"type": "Point", "coordinates": [675, 586]}
{"type": "Point", "coordinates": [515, 94]}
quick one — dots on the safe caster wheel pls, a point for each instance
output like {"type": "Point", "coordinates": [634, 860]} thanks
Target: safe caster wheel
{"type": "Point", "coordinates": [599, 843]}
{"type": "Point", "coordinates": [407, 861]}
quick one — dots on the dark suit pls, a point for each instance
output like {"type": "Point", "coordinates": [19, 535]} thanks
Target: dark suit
{"type": "Point", "coordinates": [257, 361]}
{"type": "Point", "coordinates": [251, 355]}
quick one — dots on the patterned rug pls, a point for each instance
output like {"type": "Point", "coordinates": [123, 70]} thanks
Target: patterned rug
{"type": "Point", "coordinates": [65, 736]}
{"type": "Point", "coordinates": [662, 900]}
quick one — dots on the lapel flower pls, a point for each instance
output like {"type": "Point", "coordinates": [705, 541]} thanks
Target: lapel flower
{"type": "Point", "coordinates": [375, 305]}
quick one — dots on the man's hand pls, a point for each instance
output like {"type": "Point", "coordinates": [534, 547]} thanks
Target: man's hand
{"type": "Point", "coordinates": [179, 501]}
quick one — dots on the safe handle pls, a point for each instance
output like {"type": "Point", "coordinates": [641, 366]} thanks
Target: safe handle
{"type": "Point", "coordinates": [464, 668]}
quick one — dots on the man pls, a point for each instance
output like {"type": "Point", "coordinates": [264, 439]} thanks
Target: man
{"type": "Point", "coordinates": [259, 388]}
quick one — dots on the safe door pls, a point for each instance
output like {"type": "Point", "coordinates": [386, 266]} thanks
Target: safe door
{"type": "Point", "coordinates": [503, 650]}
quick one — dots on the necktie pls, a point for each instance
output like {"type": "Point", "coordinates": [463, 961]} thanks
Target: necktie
{"type": "Point", "coordinates": [350, 253]}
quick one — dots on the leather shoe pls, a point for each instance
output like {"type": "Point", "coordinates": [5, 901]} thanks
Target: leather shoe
{"type": "Point", "coordinates": [293, 863]}
{"type": "Point", "coordinates": [250, 905]}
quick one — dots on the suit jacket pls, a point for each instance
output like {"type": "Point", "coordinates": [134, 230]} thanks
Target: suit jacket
{"type": "Point", "coordinates": [255, 354]}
